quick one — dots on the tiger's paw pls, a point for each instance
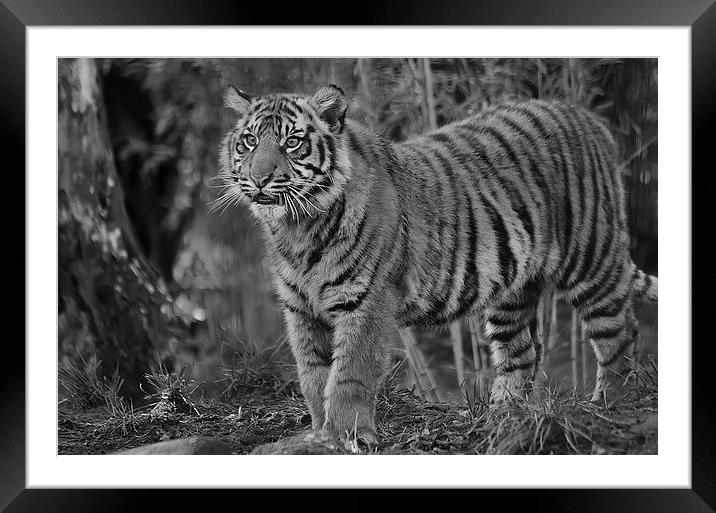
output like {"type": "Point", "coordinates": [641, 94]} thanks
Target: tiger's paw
{"type": "Point", "coordinates": [612, 381]}
{"type": "Point", "coordinates": [358, 440]}
{"type": "Point", "coordinates": [507, 388]}
{"type": "Point", "coordinates": [362, 441]}
{"type": "Point", "coordinates": [599, 396]}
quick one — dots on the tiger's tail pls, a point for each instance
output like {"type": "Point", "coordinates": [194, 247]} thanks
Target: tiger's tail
{"type": "Point", "coordinates": [645, 286]}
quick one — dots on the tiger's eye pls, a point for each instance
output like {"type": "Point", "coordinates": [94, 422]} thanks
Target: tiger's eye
{"type": "Point", "coordinates": [250, 140]}
{"type": "Point", "coordinates": [293, 142]}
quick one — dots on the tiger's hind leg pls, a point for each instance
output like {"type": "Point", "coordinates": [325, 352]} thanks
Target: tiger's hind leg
{"type": "Point", "coordinates": [608, 322]}
{"type": "Point", "coordinates": [615, 356]}
{"type": "Point", "coordinates": [514, 354]}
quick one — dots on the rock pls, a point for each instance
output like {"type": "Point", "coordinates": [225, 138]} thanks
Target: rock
{"type": "Point", "coordinates": [194, 445]}
{"type": "Point", "coordinates": [649, 424]}
{"type": "Point", "coordinates": [303, 443]}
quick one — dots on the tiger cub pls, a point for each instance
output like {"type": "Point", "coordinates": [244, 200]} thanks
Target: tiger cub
{"type": "Point", "coordinates": [365, 236]}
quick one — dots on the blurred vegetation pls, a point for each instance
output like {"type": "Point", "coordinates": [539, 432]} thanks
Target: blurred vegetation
{"type": "Point", "coordinates": [165, 119]}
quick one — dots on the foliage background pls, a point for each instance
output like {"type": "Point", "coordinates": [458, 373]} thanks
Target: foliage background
{"type": "Point", "coordinates": [165, 118]}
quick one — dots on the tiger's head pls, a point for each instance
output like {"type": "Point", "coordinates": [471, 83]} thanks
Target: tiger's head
{"type": "Point", "coordinates": [285, 156]}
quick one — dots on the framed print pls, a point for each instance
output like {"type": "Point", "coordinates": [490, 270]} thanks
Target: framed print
{"type": "Point", "coordinates": [417, 250]}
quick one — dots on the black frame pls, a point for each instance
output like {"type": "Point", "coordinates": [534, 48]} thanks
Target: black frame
{"type": "Point", "coordinates": [17, 15]}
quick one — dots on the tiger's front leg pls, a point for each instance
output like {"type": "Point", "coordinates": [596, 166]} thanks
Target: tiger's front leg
{"type": "Point", "coordinates": [310, 341]}
{"type": "Point", "coordinates": [360, 363]}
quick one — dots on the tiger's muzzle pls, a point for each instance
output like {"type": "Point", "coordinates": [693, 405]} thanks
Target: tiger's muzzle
{"type": "Point", "coordinates": [265, 199]}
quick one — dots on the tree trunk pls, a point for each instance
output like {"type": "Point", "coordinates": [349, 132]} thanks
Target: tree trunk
{"type": "Point", "coordinates": [429, 95]}
{"type": "Point", "coordinates": [110, 301]}
{"type": "Point", "coordinates": [457, 351]}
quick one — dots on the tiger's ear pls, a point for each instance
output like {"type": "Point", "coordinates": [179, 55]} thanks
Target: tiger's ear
{"type": "Point", "coordinates": [237, 100]}
{"type": "Point", "coordinates": [331, 105]}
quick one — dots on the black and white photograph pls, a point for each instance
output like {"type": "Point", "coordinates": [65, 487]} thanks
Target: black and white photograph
{"type": "Point", "coordinates": [332, 254]}
{"type": "Point", "coordinates": [358, 256]}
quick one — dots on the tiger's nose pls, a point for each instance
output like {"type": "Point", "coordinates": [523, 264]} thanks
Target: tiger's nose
{"type": "Point", "coordinates": [263, 180]}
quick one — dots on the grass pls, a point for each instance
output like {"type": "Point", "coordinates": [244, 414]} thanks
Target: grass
{"type": "Point", "coordinates": [554, 420]}
{"type": "Point", "coordinates": [172, 391]}
{"type": "Point", "coordinates": [261, 407]}
{"type": "Point", "coordinates": [86, 391]}
{"type": "Point", "coordinates": [253, 368]}
{"type": "Point", "coordinates": [84, 387]}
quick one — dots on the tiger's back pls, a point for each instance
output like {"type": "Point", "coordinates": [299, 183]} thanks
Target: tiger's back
{"type": "Point", "coordinates": [524, 195]}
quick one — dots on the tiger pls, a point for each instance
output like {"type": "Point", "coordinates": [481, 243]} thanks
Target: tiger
{"type": "Point", "coordinates": [365, 236]}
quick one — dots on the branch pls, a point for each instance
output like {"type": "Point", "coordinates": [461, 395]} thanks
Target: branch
{"type": "Point", "coordinates": [638, 152]}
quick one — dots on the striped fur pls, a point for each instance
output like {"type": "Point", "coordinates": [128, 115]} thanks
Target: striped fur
{"type": "Point", "coordinates": [365, 236]}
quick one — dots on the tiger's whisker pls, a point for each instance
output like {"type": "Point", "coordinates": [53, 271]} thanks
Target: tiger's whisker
{"type": "Point", "coordinates": [296, 191]}
{"type": "Point", "coordinates": [289, 202]}
{"type": "Point", "coordinates": [219, 202]}
{"type": "Point", "coordinates": [307, 182]}
{"type": "Point", "coordinates": [309, 194]}
{"type": "Point", "coordinates": [309, 203]}
{"type": "Point", "coordinates": [223, 202]}
{"type": "Point", "coordinates": [300, 203]}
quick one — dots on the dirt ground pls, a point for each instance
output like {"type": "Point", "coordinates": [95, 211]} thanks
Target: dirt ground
{"type": "Point", "coordinates": [552, 422]}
